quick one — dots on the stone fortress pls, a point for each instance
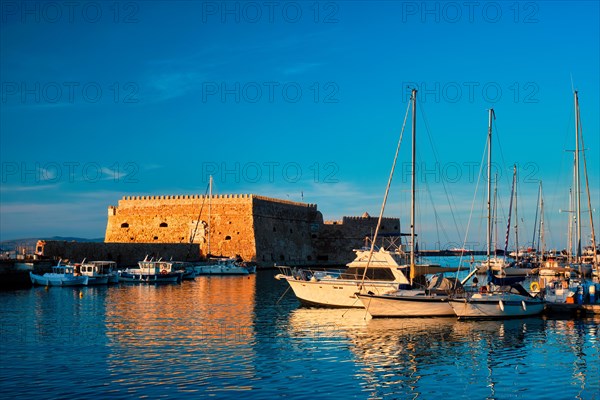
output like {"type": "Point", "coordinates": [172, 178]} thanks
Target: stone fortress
{"type": "Point", "coordinates": [258, 229]}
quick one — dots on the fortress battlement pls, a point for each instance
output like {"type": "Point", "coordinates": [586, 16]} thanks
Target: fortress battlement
{"type": "Point", "coordinates": [195, 198]}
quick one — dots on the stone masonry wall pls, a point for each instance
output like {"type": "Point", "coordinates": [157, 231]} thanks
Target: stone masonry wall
{"type": "Point", "coordinates": [124, 254]}
{"type": "Point", "coordinates": [335, 240]}
{"type": "Point", "coordinates": [283, 231]}
{"type": "Point", "coordinates": [261, 229]}
{"type": "Point", "coordinates": [183, 219]}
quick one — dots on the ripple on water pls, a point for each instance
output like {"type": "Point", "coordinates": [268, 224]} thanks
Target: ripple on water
{"type": "Point", "coordinates": [234, 337]}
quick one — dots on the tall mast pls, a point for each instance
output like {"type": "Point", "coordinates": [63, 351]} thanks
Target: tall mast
{"type": "Point", "coordinates": [495, 215]}
{"type": "Point", "coordinates": [535, 222]}
{"type": "Point", "coordinates": [570, 228]}
{"type": "Point", "coordinates": [516, 216]}
{"type": "Point", "coordinates": [412, 198]}
{"type": "Point", "coordinates": [577, 186]}
{"type": "Point", "coordinates": [210, 184]}
{"type": "Point", "coordinates": [541, 240]}
{"type": "Point", "coordinates": [589, 202]}
{"type": "Point", "coordinates": [489, 189]}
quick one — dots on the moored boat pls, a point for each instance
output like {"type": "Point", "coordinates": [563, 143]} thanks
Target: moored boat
{"type": "Point", "coordinates": [339, 288]}
{"type": "Point", "coordinates": [151, 272]}
{"type": "Point", "coordinates": [224, 266]}
{"type": "Point", "coordinates": [99, 272]}
{"type": "Point", "coordinates": [511, 301]}
{"type": "Point", "coordinates": [61, 275]}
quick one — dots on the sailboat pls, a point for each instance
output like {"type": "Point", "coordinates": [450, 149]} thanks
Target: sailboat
{"type": "Point", "coordinates": [571, 295]}
{"type": "Point", "coordinates": [502, 297]}
{"type": "Point", "coordinates": [431, 301]}
{"type": "Point", "coordinates": [219, 265]}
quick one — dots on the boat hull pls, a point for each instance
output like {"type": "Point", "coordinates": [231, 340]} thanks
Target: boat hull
{"type": "Point", "coordinates": [221, 270]}
{"type": "Point", "coordinates": [98, 280]}
{"type": "Point", "coordinates": [336, 293]}
{"type": "Point", "coordinates": [495, 306]}
{"type": "Point", "coordinates": [392, 306]}
{"type": "Point", "coordinates": [51, 279]}
{"type": "Point", "coordinates": [143, 278]}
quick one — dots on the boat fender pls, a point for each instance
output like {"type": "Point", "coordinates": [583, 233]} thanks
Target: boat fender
{"type": "Point", "coordinates": [535, 286]}
{"type": "Point", "coordinates": [501, 304]}
{"type": "Point", "coordinates": [523, 305]}
{"type": "Point", "coordinates": [164, 272]}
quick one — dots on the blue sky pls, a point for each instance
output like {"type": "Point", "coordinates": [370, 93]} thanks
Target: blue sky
{"type": "Point", "coordinates": [295, 100]}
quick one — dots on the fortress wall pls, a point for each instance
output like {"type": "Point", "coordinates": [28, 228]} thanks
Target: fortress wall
{"type": "Point", "coordinates": [258, 228]}
{"type": "Point", "coordinates": [178, 219]}
{"type": "Point", "coordinates": [283, 231]}
{"type": "Point", "coordinates": [336, 240]}
{"type": "Point", "coordinates": [124, 254]}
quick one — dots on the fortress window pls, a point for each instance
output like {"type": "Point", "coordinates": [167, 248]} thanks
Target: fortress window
{"type": "Point", "coordinates": [291, 231]}
{"type": "Point", "coordinates": [282, 257]}
{"type": "Point", "coordinates": [309, 258]}
{"type": "Point", "coordinates": [382, 227]}
{"type": "Point", "coordinates": [395, 227]}
{"type": "Point", "coordinates": [132, 238]}
{"type": "Point", "coordinates": [274, 229]}
{"type": "Point", "coordinates": [155, 237]}
{"type": "Point", "coordinates": [227, 237]}
{"type": "Point", "coordinates": [314, 236]}
{"type": "Point", "coordinates": [163, 225]}
{"type": "Point", "coordinates": [124, 225]}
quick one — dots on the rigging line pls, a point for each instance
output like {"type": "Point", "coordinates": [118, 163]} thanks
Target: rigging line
{"type": "Point", "coordinates": [284, 293]}
{"type": "Point", "coordinates": [587, 185]}
{"type": "Point", "coordinates": [199, 215]}
{"type": "Point", "coordinates": [499, 145]}
{"type": "Point", "coordinates": [438, 220]}
{"type": "Point", "coordinates": [449, 196]}
{"type": "Point", "coordinates": [473, 205]}
{"type": "Point", "coordinates": [387, 190]}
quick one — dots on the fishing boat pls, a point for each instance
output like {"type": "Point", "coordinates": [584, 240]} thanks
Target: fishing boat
{"type": "Point", "coordinates": [61, 275]}
{"type": "Point", "coordinates": [414, 300]}
{"type": "Point", "coordinates": [99, 272]}
{"type": "Point", "coordinates": [501, 297]}
{"type": "Point", "coordinates": [151, 272]}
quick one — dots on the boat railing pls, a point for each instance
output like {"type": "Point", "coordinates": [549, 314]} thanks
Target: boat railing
{"type": "Point", "coordinates": [306, 274]}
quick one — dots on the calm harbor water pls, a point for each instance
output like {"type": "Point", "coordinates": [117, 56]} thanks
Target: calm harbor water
{"type": "Point", "coordinates": [229, 336]}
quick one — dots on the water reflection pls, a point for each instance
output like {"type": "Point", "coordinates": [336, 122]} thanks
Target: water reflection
{"type": "Point", "coordinates": [219, 336]}
{"type": "Point", "coordinates": [184, 338]}
{"type": "Point", "coordinates": [423, 358]}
